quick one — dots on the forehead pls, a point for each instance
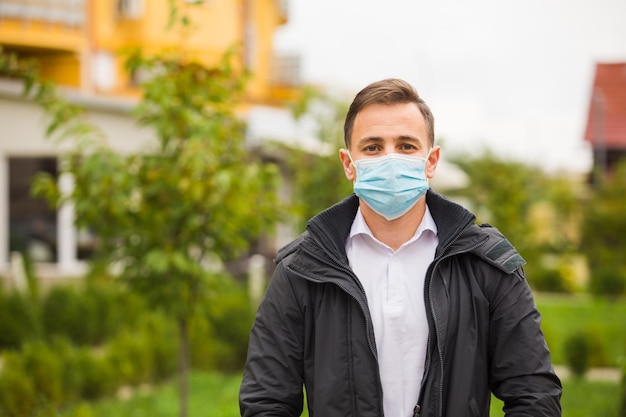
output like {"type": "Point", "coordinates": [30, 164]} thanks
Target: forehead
{"type": "Point", "coordinates": [389, 122]}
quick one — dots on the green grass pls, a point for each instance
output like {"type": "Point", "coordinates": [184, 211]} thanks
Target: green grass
{"type": "Point", "coordinates": [563, 315]}
{"type": "Point", "coordinates": [211, 395]}
{"type": "Point", "coordinates": [215, 395]}
{"type": "Point", "coordinates": [581, 398]}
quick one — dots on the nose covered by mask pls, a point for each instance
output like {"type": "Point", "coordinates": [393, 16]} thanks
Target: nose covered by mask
{"type": "Point", "coordinates": [392, 184]}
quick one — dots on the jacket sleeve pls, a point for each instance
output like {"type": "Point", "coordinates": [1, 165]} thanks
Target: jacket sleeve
{"type": "Point", "coordinates": [273, 376]}
{"type": "Point", "coordinates": [521, 372]}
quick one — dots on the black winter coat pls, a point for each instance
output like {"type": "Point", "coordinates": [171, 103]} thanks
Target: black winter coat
{"type": "Point", "coordinates": [313, 327]}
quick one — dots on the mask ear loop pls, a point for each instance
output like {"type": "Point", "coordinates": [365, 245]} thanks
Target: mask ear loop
{"type": "Point", "coordinates": [351, 160]}
{"type": "Point", "coordinates": [425, 162]}
{"type": "Point", "coordinates": [353, 164]}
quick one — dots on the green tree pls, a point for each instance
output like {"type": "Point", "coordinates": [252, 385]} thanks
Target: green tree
{"type": "Point", "coordinates": [604, 234]}
{"type": "Point", "coordinates": [168, 215]}
{"type": "Point", "coordinates": [317, 178]}
{"type": "Point", "coordinates": [502, 193]}
{"type": "Point", "coordinates": [535, 211]}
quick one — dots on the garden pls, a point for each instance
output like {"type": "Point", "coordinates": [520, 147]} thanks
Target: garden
{"type": "Point", "coordinates": [167, 333]}
{"type": "Point", "coordinates": [93, 349]}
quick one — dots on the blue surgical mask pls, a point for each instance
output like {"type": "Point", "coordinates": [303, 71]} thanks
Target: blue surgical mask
{"type": "Point", "coordinates": [392, 184]}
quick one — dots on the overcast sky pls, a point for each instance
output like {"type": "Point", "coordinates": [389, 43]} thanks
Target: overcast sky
{"type": "Point", "coordinates": [514, 76]}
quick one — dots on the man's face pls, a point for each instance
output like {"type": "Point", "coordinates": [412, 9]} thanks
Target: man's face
{"type": "Point", "coordinates": [380, 129]}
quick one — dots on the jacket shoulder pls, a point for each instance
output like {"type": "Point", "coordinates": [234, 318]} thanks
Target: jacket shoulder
{"type": "Point", "coordinates": [291, 247]}
{"type": "Point", "coordinates": [497, 250]}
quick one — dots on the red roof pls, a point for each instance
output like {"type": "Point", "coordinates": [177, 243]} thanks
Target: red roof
{"type": "Point", "coordinates": [606, 122]}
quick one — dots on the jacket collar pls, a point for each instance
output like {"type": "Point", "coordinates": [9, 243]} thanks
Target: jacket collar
{"type": "Point", "coordinates": [331, 227]}
{"type": "Point", "coordinates": [328, 229]}
{"type": "Point", "coordinates": [451, 220]}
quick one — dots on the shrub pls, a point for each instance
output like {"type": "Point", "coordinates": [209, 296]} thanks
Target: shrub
{"type": "Point", "coordinates": [577, 352]}
{"type": "Point", "coordinates": [71, 372]}
{"type": "Point", "coordinates": [112, 309]}
{"type": "Point", "coordinates": [96, 376]}
{"type": "Point", "coordinates": [85, 374]}
{"type": "Point", "coordinates": [17, 393]}
{"type": "Point", "coordinates": [146, 352]}
{"type": "Point", "coordinates": [583, 349]}
{"type": "Point", "coordinates": [163, 343]}
{"type": "Point", "coordinates": [607, 282]}
{"type": "Point", "coordinates": [43, 378]}
{"type": "Point", "coordinates": [129, 358]}
{"type": "Point", "coordinates": [550, 280]}
{"type": "Point", "coordinates": [18, 320]}
{"type": "Point", "coordinates": [598, 353]}
{"type": "Point", "coordinates": [202, 346]}
{"type": "Point", "coordinates": [47, 375]}
{"type": "Point", "coordinates": [81, 410]}
{"type": "Point", "coordinates": [89, 316]}
{"type": "Point", "coordinates": [44, 368]}
{"type": "Point", "coordinates": [66, 313]}
{"type": "Point", "coordinates": [100, 304]}
{"type": "Point", "coordinates": [229, 318]}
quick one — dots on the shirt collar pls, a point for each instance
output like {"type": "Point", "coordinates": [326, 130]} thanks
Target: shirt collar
{"type": "Point", "coordinates": [359, 226]}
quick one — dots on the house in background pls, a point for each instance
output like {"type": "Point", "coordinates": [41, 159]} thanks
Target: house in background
{"type": "Point", "coordinates": [77, 43]}
{"type": "Point", "coordinates": [606, 121]}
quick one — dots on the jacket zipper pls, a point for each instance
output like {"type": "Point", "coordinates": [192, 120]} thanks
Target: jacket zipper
{"type": "Point", "coordinates": [432, 311]}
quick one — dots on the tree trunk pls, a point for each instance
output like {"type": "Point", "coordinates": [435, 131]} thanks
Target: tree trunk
{"type": "Point", "coordinates": [183, 363]}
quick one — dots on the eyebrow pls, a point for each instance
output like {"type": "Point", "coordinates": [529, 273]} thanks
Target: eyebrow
{"type": "Point", "coordinates": [408, 138]}
{"type": "Point", "coordinates": [369, 139]}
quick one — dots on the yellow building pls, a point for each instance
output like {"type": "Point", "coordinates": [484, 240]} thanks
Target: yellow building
{"type": "Point", "coordinates": [79, 44]}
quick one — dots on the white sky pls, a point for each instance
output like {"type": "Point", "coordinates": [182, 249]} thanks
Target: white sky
{"type": "Point", "coordinates": [514, 76]}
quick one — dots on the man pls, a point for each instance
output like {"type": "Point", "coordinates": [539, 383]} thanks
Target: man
{"type": "Point", "coordinates": [394, 302]}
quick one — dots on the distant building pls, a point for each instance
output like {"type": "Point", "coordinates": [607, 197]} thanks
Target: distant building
{"type": "Point", "coordinates": [78, 44]}
{"type": "Point", "coordinates": [606, 121]}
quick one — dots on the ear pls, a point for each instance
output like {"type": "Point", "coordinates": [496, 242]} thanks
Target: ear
{"type": "Point", "coordinates": [348, 167]}
{"type": "Point", "coordinates": [431, 163]}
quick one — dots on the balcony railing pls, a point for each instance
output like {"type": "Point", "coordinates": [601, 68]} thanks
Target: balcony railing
{"type": "Point", "coordinates": [64, 12]}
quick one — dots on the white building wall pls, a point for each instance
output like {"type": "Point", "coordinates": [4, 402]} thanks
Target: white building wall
{"type": "Point", "coordinates": [22, 134]}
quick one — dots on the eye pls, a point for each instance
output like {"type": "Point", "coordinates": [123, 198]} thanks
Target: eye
{"type": "Point", "coordinates": [408, 147]}
{"type": "Point", "coordinates": [371, 148]}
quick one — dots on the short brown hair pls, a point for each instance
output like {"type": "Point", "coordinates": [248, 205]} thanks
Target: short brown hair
{"type": "Point", "coordinates": [389, 91]}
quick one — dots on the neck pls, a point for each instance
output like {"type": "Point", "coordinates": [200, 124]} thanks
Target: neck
{"type": "Point", "coordinates": [394, 233]}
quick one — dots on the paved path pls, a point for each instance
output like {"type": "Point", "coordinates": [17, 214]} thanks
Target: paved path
{"type": "Point", "coordinates": [594, 374]}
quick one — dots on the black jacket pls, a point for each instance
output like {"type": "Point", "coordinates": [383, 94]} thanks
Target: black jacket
{"type": "Point", "coordinates": [313, 327]}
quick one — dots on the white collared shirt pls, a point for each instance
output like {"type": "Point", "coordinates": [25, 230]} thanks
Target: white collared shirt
{"type": "Point", "coordinates": [394, 286]}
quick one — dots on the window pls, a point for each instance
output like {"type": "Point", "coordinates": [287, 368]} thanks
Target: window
{"type": "Point", "coordinates": [32, 223]}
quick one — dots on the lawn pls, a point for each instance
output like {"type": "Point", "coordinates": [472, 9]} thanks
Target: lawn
{"type": "Point", "coordinates": [565, 314]}
{"type": "Point", "coordinates": [211, 395]}
{"type": "Point", "coordinates": [215, 395]}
